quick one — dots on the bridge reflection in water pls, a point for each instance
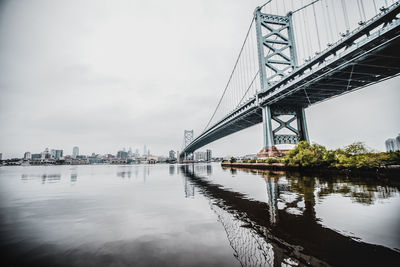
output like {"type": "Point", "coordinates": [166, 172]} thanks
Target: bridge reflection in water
{"type": "Point", "coordinates": [261, 234]}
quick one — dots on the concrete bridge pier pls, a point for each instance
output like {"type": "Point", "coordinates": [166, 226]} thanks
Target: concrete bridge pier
{"type": "Point", "coordinates": [271, 135]}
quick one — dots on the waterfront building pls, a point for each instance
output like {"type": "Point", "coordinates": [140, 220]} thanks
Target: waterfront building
{"type": "Point", "coordinates": [27, 156]}
{"type": "Point", "coordinates": [45, 154]}
{"type": "Point", "coordinates": [200, 156]}
{"type": "Point", "coordinates": [36, 156]}
{"type": "Point", "coordinates": [151, 159]}
{"type": "Point", "coordinates": [75, 151]}
{"type": "Point", "coordinates": [208, 155]}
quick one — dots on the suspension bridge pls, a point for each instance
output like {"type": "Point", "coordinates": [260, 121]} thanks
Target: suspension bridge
{"type": "Point", "coordinates": [298, 53]}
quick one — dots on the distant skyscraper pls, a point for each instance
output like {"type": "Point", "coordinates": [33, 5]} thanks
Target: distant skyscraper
{"type": "Point", "coordinates": [130, 152]}
{"type": "Point", "coordinates": [208, 155]}
{"type": "Point", "coordinates": [137, 153]}
{"type": "Point", "coordinates": [59, 154]}
{"type": "Point", "coordinates": [390, 145]}
{"type": "Point", "coordinates": [144, 151]}
{"type": "Point", "coordinates": [172, 155]}
{"type": "Point", "coordinates": [27, 156]}
{"type": "Point", "coordinates": [75, 152]}
{"type": "Point", "coordinates": [122, 154]}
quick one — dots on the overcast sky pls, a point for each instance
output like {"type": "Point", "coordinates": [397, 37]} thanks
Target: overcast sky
{"type": "Point", "coordinates": [104, 75]}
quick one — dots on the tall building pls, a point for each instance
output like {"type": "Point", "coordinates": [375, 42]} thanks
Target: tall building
{"type": "Point", "coordinates": [137, 153]}
{"type": "Point", "coordinates": [390, 145]}
{"type": "Point", "coordinates": [59, 153]}
{"type": "Point", "coordinates": [130, 154]}
{"type": "Point", "coordinates": [122, 154]}
{"type": "Point", "coordinates": [144, 151]}
{"type": "Point", "coordinates": [75, 152]}
{"type": "Point", "coordinates": [45, 154]}
{"type": "Point", "coordinates": [172, 155]}
{"type": "Point", "coordinates": [27, 156]}
{"type": "Point", "coordinates": [208, 155]}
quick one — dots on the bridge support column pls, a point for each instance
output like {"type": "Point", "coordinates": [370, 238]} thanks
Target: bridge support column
{"type": "Point", "coordinates": [269, 149]}
{"type": "Point", "coordinates": [271, 135]}
{"type": "Point", "coordinates": [302, 125]}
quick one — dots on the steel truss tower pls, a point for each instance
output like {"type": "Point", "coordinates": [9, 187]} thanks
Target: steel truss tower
{"type": "Point", "coordinates": [187, 139]}
{"type": "Point", "coordinates": [277, 57]}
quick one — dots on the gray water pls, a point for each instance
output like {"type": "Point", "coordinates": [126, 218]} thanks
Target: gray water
{"type": "Point", "coordinates": [194, 215]}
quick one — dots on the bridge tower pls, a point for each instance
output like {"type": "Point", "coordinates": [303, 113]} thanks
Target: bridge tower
{"type": "Point", "coordinates": [187, 139]}
{"type": "Point", "coordinates": [277, 57]}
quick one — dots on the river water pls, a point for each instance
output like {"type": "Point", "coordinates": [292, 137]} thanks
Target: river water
{"type": "Point", "coordinates": [194, 215]}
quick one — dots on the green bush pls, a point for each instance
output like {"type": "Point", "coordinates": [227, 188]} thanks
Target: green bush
{"type": "Point", "coordinates": [233, 160]}
{"type": "Point", "coordinates": [356, 155]}
{"type": "Point", "coordinates": [253, 161]}
{"type": "Point", "coordinates": [272, 160]}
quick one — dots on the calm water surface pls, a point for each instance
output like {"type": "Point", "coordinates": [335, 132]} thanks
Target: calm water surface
{"type": "Point", "coordinates": [194, 215]}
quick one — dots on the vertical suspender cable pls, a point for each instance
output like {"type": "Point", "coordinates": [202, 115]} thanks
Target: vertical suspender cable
{"type": "Point", "coordinates": [329, 20]}
{"type": "Point", "coordinates": [363, 9]}
{"type": "Point", "coordinates": [284, 7]}
{"type": "Point", "coordinates": [303, 43]}
{"type": "Point", "coordinates": [316, 26]}
{"type": "Point", "coordinates": [335, 19]}
{"type": "Point", "coordinates": [346, 18]}
{"type": "Point", "coordinates": [359, 10]}
{"type": "Point", "coordinates": [325, 23]}
{"type": "Point", "coordinates": [376, 10]}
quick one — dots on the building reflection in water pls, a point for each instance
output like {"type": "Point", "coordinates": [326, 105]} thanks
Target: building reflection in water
{"type": "Point", "coordinates": [171, 169]}
{"type": "Point", "coordinates": [126, 172]}
{"type": "Point", "coordinates": [74, 177]}
{"type": "Point", "coordinates": [284, 230]}
{"type": "Point", "coordinates": [45, 178]}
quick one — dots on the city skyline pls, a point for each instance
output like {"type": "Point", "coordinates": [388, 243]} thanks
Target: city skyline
{"type": "Point", "coordinates": [98, 88]}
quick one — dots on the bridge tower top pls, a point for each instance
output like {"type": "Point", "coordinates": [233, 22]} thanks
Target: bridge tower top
{"type": "Point", "coordinates": [188, 137]}
{"type": "Point", "coordinates": [276, 46]}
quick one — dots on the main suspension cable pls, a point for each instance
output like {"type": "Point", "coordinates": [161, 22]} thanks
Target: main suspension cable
{"type": "Point", "coordinates": [233, 70]}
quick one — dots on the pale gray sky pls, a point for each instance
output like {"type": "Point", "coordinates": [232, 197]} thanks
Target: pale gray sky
{"type": "Point", "coordinates": [104, 75]}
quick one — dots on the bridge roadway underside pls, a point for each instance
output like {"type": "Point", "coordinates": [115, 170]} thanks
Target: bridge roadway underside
{"type": "Point", "coordinates": [374, 62]}
{"type": "Point", "coordinates": [353, 66]}
{"type": "Point", "coordinates": [247, 119]}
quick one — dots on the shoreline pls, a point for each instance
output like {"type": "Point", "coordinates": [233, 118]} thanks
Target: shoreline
{"type": "Point", "coordinates": [386, 172]}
